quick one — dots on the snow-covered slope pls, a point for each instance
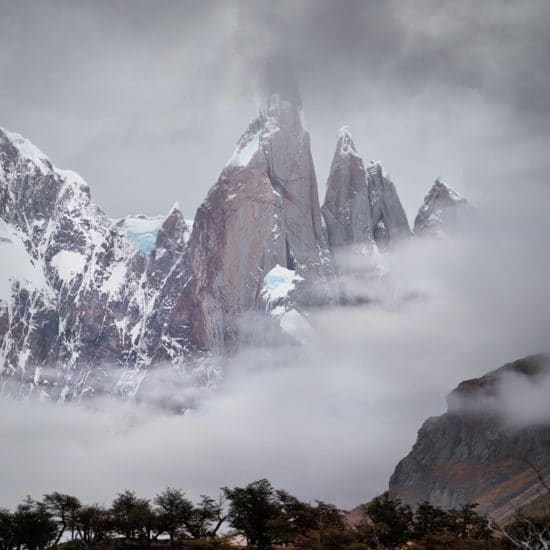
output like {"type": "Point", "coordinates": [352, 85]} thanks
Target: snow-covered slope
{"type": "Point", "coordinates": [77, 296]}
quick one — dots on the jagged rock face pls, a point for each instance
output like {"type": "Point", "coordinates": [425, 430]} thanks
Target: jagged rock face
{"type": "Point", "coordinates": [78, 296]}
{"type": "Point", "coordinates": [346, 209]}
{"type": "Point", "coordinates": [440, 212]}
{"type": "Point", "coordinates": [263, 211]}
{"type": "Point", "coordinates": [81, 259]}
{"type": "Point", "coordinates": [388, 218]}
{"type": "Point", "coordinates": [166, 329]}
{"type": "Point", "coordinates": [361, 207]}
{"type": "Point", "coordinates": [470, 454]}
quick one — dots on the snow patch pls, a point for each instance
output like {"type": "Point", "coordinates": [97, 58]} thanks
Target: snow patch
{"type": "Point", "coordinates": [245, 151]}
{"type": "Point", "coordinates": [68, 264]}
{"type": "Point", "coordinates": [16, 265]}
{"type": "Point", "coordinates": [114, 282]}
{"type": "Point", "coordinates": [345, 142]}
{"type": "Point", "coordinates": [278, 283]}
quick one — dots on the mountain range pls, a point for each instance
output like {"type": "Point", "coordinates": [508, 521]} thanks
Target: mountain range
{"type": "Point", "coordinates": [81, 293]}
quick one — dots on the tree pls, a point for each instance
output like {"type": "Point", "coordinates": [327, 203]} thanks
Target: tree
{"type": "Point", "coordinates": [33, 525]}
{"type": "Point", "coordinates": [429, 521]}
{"type": "Point", "coordinates": [132, 516]}
{"type": "Point", "coordinates": [529, 532]}
{"type": "Point", "coordinates": [253, 513]}
{"type": "Point", "coordinates": [63, 509]}
{"type": "Point", "coordinates": [173, 511]}
{"type": "Point", "coordinates": [7, 534]}
{"type": "Point", "coordinates": [93, 525]}
{"type": "Point", "coordinates": [390, 522]}
{"type": "Point", "coordinates": [206, 518]}
{"type": "Point", "coordinates": [297, 522]}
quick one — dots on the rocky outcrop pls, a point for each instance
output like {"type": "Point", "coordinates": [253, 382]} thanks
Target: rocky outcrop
{"type": "Point", "coordinates": [441, 211]}
{"type": "Point", "coordinates": [480, 451]}
{"type": "Point", "coordinates": [388, 218]}
{"type": "Point", "coordinates": [346, 209]}
{"type": "Point", "coordinates": [166, 329]}
{"type": "Point", "coordinates": [263, 211]}
{"type": "Point", "coordinates": [362, 207]}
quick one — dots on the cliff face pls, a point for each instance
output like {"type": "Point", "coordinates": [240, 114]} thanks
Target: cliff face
{"type": "Point", "coordinates": [263, 211]}
{"type": "Point", "coordinates": [388, 218]}
{"type": "Point", "coordinates": [477, 452]}
{"type": "Point", "coordinates": [346, 209]}
{"type": "Point", "coordinates": [362, 207]}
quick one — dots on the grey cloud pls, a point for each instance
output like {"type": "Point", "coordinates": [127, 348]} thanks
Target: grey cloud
{"type": "Point", "coordinates": [146, 100]}
{"type": "Point", "coordinates": [328, 420]}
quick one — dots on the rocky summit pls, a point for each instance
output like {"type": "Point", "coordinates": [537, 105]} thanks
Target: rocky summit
{"type": "Point", "coordinates": [262, 212]}
{"type": "Point", "coordinates": [441, 212]}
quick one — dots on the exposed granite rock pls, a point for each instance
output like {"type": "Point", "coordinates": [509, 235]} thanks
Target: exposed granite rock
{"type": "Point", "coordinates": [263, 211]}
{"type": "Point", "coordinates": [346, 209]}
{"type": "Point", "coordinates": [388, 218]}
{"type": "Point", "coordinates": [167, 312]}
{"type": "Point", "coordinates": [473, 454]}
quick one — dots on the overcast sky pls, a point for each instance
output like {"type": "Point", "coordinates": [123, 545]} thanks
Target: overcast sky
{"type": "Point", "coordinates": [147, 99]}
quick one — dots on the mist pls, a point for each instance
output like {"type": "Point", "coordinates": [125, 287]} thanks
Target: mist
{"type": "Point", "coordinates": [328, 419]}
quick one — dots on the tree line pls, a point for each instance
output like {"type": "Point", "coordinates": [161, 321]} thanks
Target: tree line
{"type": "Point", "coordinates": [255, 516]}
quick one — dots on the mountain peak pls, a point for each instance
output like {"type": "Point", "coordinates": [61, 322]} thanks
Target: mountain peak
{"type": "Point", "coordinates": [440, 188]}
{"type": "Point", "coordinates": [344, 142]}
{"type": "Point", "coordinates": [438, 213]}
{"type": "Point", "coordinates": [26, 149]}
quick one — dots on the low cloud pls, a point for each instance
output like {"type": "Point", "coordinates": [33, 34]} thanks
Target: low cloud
{"type": "Point", "coordinates": [329, 419]}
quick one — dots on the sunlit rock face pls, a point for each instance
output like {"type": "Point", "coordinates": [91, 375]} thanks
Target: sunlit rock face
{"type": "Point", "coordinates": [263, 211]}
{"type": "Point", "coordinates": [479, 451]}
{"type": "Point", "coordinates": [441, 212]}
